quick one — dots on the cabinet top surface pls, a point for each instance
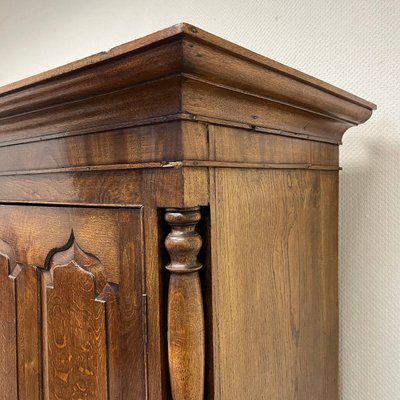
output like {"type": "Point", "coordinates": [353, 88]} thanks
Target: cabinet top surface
{"type": "Point", "coordinates": [178, 73]}
{"type": "Point", "coordinates": [180, 30]}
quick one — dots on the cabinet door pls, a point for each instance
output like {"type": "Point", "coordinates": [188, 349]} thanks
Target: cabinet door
{"type": "Point", "coordinates": [71, 303]}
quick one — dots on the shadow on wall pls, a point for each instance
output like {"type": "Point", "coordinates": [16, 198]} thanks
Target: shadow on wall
{"type": "Point", "coordinates": [369, 255]}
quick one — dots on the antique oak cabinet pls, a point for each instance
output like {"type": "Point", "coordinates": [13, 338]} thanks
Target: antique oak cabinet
{"type": "Point", "coordinates": [169, 222]}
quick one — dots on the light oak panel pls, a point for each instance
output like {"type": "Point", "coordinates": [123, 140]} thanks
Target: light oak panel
{"type": "Point", "coordinates": [274, 266]}
{"type": "Point", "coordinates": [200, 98]}
{"type": "Point", "coordinates": [225, 68]}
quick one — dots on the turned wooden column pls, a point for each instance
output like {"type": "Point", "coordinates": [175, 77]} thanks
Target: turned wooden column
{"type": "Point", "coordinates": [185, 306]}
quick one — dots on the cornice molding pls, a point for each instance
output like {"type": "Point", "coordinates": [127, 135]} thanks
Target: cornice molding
{"type": "Point", "coordinates": [178, 71]}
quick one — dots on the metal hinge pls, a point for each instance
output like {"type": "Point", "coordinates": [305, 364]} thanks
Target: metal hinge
{"type": "Point", "coordinates": [144, 317]}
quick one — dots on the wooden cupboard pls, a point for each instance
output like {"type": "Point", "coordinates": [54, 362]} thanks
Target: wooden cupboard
{"type": "Point", "coordinates": [169, 226]}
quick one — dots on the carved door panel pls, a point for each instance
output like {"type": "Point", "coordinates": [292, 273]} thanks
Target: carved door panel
{"type": "Point", "coordinates": [71, 284]}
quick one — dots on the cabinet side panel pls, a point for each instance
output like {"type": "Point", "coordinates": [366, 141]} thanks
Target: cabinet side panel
{"type": "Point", "coordinates": [241, 145]}
{"type": "Point", "coordinates": [274, 250]}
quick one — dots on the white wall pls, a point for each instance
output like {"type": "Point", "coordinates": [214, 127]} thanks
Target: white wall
{"type": "Point", "coordinates": [351, 43]}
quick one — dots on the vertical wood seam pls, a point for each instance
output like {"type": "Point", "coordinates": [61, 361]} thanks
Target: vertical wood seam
{"type": "Point", "coordinates": [145, 298]}
{"type": "Point", "coordinates": [214, 261]}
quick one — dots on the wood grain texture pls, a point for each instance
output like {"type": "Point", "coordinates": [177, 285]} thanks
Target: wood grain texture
{"type": "Point", "coordinates": [186, 331]}
{"type": "Point", "coordinates": [95, 60]}
{"type": "Point", "coordinates": [201, 98]}
{"type": "Point", "coordinates": [131, 346]}
{"type": "Point", "coordinates": [275, 284]}
{"type": "Point", "coordinates": [183, 186]}
{"type": "Point", "coordinates": [91, 156]}
{"type": "Point", "coordinates": [81, 318]}
{"type": "Point", "coordinates": [241, 146]}
{"type": "Point", "coordinates": [194, 34]}
{"type": "Point", "coordinates": [28, 282]}
{"type": "Point", "coordinates": [156, 289]}
{"type": "Point", "coordinates": [8, 326]}
{"type": "Point", "coordinates": [74, 329]}
{"type": "Point", "coordinates": [204, 59]}
{"type": "Point", "coordinates": [176, 74]}
{"type": "Point", "coordinates": [159, 142]}
{"type": "Point", "coordinates": [128, 71]}
{"type": "Point", "coordinates": [33, 249]}
{"type": "Point", "coordinates": [19, 315]}
{"type": "Point", "coordinates": [107, 111]}
{"type": "Point", "coordinates": [163, 146]}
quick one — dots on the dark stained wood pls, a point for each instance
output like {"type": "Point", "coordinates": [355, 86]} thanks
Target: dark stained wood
{"type": "Point", "coordinates": [169, 145]}
{"type": "Point", "coordinates": [74, 329]}
{"type": "Point", "coordinates": [19, 313]}
{"type": "Point", "coordinates": [87, 327]}
{"type": "Point", "coordinates": [28, 282]}
{"type": "Point", "coordinates": [8, 326]}
{"type": "Point", "coordinates": [105, 165]}
{"type": "Point", "coordinates": [183, 186]}
{"type": "Point", "coordinates": [32, 249]}
{"type": "Point", "coordinates": [194, 33]}
{"type": "Point", "coordinates": [188, 85]}
{"type": "Point", "coordinates": [153, 63]}
{"type": "Point", "coordinates": [81, 65]}
{"type": "Point", "coordinates": [157, 365]}
{"type": "Point", "coordinates": [159, 142]}
{"type": "Point", "coordinates": [186, 332]}
{"type": "Point", "coordinates": [108, 111]}
{"type": "Point", "coordinates": [132, 362]}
